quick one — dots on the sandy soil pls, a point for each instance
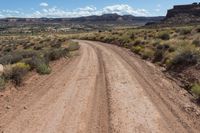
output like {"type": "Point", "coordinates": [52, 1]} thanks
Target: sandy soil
{"type": "Point", "coordinates": [105, 89]}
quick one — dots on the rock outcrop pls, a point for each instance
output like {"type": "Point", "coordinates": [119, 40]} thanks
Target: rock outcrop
{"type": "Point", "coordinates": [184, 14]}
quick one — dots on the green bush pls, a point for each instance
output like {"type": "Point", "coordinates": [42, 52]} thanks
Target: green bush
{"type": "Point", "coordinates": [185, 31]}
{"type": "Point", "coordinates": [158, 55]}
{"type": "Point", "coordinates": [40, 64]}
{"type": "Point", "coordinates": [147, 53]}
{"type": "Point", "coordinates": [196, 90]}
{"type": "Point", "coordinates": [56, 44]}
{"type": "Point", "coordinates": [138, 42]}
{"type": "Point", "coordinates": [72, 46]}
{"type": "Point", "coordinates": [2, 83]}
{"type": "Point", "coordinates": [185, 56]}
{"type": "Point", "coordinates": [196, 42]}
{"type": "Point", "coordinates": [43, 68]}
{"type": "Point", "coordinates": [18, 72]}
{"type": "Point", "coordinates": [137, 49]}
{"type": "Point", "coordinates": [10, 59]}
{"type": "Point", "coordinates": [15, 57]}
{"type": "Point", "coordinates": [164, 36]}
{"type": "Point", "coordinates": [57, 54]}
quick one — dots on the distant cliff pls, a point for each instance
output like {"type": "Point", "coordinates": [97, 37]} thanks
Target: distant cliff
{"type": "Point", "coordinates": [183, 14]}
{"type": "Point", "coordinates": [105, 18]}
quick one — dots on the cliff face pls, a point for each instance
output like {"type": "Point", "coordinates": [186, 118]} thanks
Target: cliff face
{"type": "Point", "coordinates": [184, 14]}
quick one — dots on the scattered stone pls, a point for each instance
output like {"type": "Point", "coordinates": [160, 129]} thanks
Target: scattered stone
{"type": "Point", "coordinates": [198, 113]}
{"type": "Point", "coordinates": [25, 107]}
{"type": "Point", "coordinates": [8, 107]}
{"type": "Point", "coordinates": [188, 108]}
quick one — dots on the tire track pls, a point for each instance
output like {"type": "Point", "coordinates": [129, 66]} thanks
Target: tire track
{"type": "Point", "coordinates": [104, 90]}
{"type": "Point", "coordinates": [171, 111]}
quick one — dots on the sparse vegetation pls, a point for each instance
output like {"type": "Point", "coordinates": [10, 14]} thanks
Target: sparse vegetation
{"type": "Point", "coordinates": [43, 68]}
{"type": "Point", "coordinates": [18, 72]}
{"type": "Point", "coordinates": [147, 54]}
{"type": "Point", "coordinates": [137, 49]}
{"type": "Point", "coordinates": [72, 46]}
{"type": "Point", "coordinates": [196, 90]}
{"type": "Point", "coordinates": [185, 31]}
{"type": "Point", "coordinates": [176, 49]}
{"type": "Point", "coordinates": [2, 83]}
{"type": "Point", "coordinates": [184, 57]}
{"type": "Point", "coordinates": [164, 36]}
{"type": "Point", "coordinates": [21, 55]}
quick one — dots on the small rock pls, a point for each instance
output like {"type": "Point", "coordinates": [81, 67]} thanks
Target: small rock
{"type": "Point", "coordinates": [188, 108]}
{"type": "Point", "coordinates": [198, 113]}
{"type": "Point", "coordinates": [8, 107]}
{"type": "Point", "coordinates": [25, 107]}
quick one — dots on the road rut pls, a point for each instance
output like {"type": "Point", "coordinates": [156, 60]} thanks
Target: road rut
{"type": "Point", "coordinates": [103, 90]}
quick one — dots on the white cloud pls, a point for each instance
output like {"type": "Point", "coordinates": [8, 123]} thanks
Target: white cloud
{"type": "Point", "coordinates": [121, 9]}
{"type": "Point", "coordinates": [44, 4]}
{"type": "Point", "coordinates": [125, 9]}
{"type": "Point", "coordinates": [87, 8]}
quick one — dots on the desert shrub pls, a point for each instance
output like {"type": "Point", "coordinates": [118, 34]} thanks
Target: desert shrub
{"type": "Point", "coordinates": [7, 49]}
{"type": "Point", "coordinates": [185, 31]}
{"type": "Point", "coordinates": [2, 83]}
{"type": "Point", "coordinates": [147, 53]}
{"type": "Point", "coordinates": [198, 29]}
{"type": "Point", "coordinates": [171, 49]}
{"type": "Point", "coordinates": [138, 42]}
{"type": "Point", "coordinates": [18, 72]}
{"type": "Point", "coordinates": [10, 59]}
{"type": "Point", "coordinates": [196, 42]}
{"type": "Point", "coordinates": [196, 90]}
{"type": "Point", "coordinates": [17, 56]}
{"type": "Point", "coordinates": [72, 46]}
{"type": "Point", "coordinates": [38, 47]}
{"type": "Point", "coordinates": [57, 54]}
{"type": "Point", "coordinates": [125, 38]}
{"type": "Point", "coordinates": [27, 53]}
{"type": "Point", "coordinates": [185, 56]}
{"type": "Point", "coordinates": [164, 36]}
{"type": "Point", "coordinates": [56, 44]}
{"type": "Point", "coordinates": [160, 51]}
{"type": "Point", "coordinates": [137, 49]}
{"type": "Point", "coordinates": [163, 47]}
{"type": "Point", "coordinates": [158, 55]}
{"type": "Point", "coordinates": [40, 64]}
{"type": "Point", "coordinates": [132, 36]}
{"type": "Point", "coordinates": [43, 68]}
{"type": "Point", "coordinates": [156, 43]}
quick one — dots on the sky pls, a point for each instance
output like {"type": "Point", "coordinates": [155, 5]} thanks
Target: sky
{"type": "Point", "coordinates": [78, 8]}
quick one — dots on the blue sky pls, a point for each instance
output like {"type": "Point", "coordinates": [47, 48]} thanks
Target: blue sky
{"type": "Point", "coordinates": [76, 8]}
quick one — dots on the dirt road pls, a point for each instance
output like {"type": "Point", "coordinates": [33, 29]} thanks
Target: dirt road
{"type": "Point", "coordinates": [103, 90]}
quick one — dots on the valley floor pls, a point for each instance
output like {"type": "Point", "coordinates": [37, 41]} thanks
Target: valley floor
{"type": "Point", "coordinates": [103, 90]}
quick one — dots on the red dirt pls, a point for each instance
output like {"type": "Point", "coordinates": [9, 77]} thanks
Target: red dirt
{"type": "Point", "coordinates": [103, 90]}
